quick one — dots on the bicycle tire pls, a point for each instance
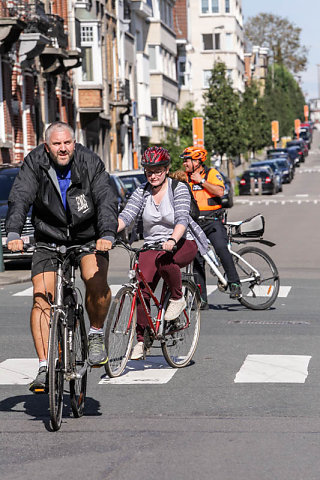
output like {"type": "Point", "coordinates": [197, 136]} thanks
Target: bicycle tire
{"type": "Point", "coordinates": [78, 386]}
{"type": "Point", "coordinates": [181, 338]}
{"type": "Point", "coordinates": [119, 336]}
{"type": "Point", "coordinates": [262, 293]}
{"type": "Point", "coordinates": [56, 374]}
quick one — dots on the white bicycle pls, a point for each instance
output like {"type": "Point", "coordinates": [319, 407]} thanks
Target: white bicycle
{"type": "Point", "coordinates": [257, 271]}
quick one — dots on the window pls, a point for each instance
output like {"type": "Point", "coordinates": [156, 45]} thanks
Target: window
{"type": "Point", "coordinates": [204, 6]}
{"type": "Point", "coordinates": [152, 57]}
{"type": "Point", "coordinates": [228, 41]}
{"type": "Point", "coordinates": [206, 78]}
{"type": "Point", "coordinates": [215, 6]}
{"type": "Point", "coordinates": [207, 41]}
{"type": "Point", "coordinates": [217, 41]}
{"type": "Point", "coordinates": [209, 6]}
{"type": "Point", "coordinates": [86, 34]}
{"type": "Point", "coordinates": [91, 51]}
{"type": "Point", "coordinates": [87, 68]}
{"type": "Point", "coordinates": [154, 109]}
{"type": "Point", "coordinates": [181, 71]}
{"type": "Point", "coordinates": [227, 5]}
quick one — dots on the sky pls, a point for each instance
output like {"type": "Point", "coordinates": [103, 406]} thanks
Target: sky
{"type": "Point", "coordinates": [304, 14]}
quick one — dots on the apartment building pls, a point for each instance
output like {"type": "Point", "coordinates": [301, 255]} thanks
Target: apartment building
{"type": "Point", "coordinates": [256, 66]}
{"type": "Point", "coordinates": [208, 31]}
{"type": "Point", "coordinates": [36, 56]}
{"type": "Point", "coordinates": [162, 52]}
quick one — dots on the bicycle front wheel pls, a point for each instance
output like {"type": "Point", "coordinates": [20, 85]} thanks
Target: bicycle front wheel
{"type": "Point", "coordinates": [56, 374]}
{"type": "Point", "coordinates": [120, 328]}
{"type": "Point", "coordinates": [182, 334]}
{"type": "Point", "coordinates": [259, 278]}
{"type": "Point", "coordinates": [78, 385]}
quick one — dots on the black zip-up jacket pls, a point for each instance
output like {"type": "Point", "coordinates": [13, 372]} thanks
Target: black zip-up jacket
{"type": "Point", "coordinates": [92, 203]}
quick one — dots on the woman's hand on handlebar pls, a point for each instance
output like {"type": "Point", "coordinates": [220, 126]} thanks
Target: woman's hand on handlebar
{"type": "Point", "coordinates": [169, 245]}
{"type": "Point", "coordinates": [103, 245]}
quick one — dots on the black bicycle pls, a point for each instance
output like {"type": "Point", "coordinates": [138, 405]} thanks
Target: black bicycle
{"type": "Point", "coordinates": [67, 350]}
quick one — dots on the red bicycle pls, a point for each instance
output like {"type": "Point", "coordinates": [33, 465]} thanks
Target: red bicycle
{"type": "Point", "coordinates": [178, 338]}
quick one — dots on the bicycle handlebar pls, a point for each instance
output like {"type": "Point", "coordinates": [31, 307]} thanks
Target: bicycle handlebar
{"type": "Point", "coordinates": [145, 247]}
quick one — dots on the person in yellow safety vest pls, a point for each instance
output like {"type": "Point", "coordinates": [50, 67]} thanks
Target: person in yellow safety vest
{"type": "Point", "coordinates": [208, 188]}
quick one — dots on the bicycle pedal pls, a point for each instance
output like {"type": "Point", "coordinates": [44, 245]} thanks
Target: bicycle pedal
{"type": "Point", "coordinates": [96, 366]}
{"type": "Point", "coordinates": [40, 390]}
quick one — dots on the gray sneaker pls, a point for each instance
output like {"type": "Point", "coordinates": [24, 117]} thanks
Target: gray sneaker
{"type": "Point", "coordinates": [40, 383]}
{"type": "Point", "coordinates": [97, 354]}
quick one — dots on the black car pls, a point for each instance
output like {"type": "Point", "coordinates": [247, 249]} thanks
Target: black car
{"type": "Point", "coordinates": [8, 173]}
{"type": "Point", "coordinates": [275, 168]}
{"type": "Point", "coordinates": [285, 166]}
{"type": "Point", "coordinates": [250, 179]}
{"type": "Point", "coordinates": [300, 144]}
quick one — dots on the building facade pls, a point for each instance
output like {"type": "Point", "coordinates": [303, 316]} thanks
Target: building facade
{"type": "Point", "coordinates": [256, 67]}
{"type": "Point", "coordinates": [36, 58]}
{"type": "Point", "coordinates": [208, 31]}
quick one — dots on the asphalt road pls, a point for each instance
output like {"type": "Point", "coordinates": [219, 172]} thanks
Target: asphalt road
{"type": "Point", "coordinates": [205, 421]}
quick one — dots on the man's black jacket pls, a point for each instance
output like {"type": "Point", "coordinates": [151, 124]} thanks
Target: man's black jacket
{"type": "Point", "coordinates": [92, 203]}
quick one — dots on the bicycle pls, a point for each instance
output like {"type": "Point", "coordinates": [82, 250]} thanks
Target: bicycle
{"type": "Point", "coordinates": [67, 349]}
{"type": "Point", "coordinates": [257, 271]}
{"type": "Point", "coordinates": [178, 338]}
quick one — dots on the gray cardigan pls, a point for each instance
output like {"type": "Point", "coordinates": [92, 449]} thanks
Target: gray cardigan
{"type": "Point", "coordinates": [180, 200]}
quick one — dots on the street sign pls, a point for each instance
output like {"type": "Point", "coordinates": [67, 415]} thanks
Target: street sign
{"type": "Point", "coordinates": [297, 124]}
{"type": "Point", "coordinates": [275, 132]}
{"type": "Point", "coordinates": [306, 112]}
{"type": "Point", "coordinates": [198, 131]}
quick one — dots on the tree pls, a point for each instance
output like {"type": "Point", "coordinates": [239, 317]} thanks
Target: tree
{"type": "Point", "coordinates": [283, 99]}
{"type": "Point", "coordinates": [281, 37]}
{"type": "Point", "coordinates": [223, 130]}
{"type": "Point", "coordinates": [256, 125]}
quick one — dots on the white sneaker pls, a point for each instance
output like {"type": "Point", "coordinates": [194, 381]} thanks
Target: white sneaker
{"type": "Point", "coordinates": [174, 309]}
{"type": "Point", "coordinates": [137, 351]}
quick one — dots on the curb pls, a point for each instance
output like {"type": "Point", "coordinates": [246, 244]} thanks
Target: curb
{"type": "Point", "coordinates": [11, 281]}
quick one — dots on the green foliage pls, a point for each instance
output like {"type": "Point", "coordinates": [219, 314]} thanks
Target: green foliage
{"type": "Point", "coordinates": [283, 99]}
{"type": "Point", "coordinates": [255, 122]}
{"type": "Point", "coordinates": [281, 37]}
{"type": "Point", "coordinates": [223, 129]}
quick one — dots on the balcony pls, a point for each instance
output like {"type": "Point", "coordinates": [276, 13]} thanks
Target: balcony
{"type": "Point", "coordinates": [13, 15]}
{"type": "Point", "coordinates": [142, 8]}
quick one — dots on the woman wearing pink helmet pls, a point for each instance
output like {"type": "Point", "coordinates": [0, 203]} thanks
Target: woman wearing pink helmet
{"type": "Point", "coordinates": [165, 216]}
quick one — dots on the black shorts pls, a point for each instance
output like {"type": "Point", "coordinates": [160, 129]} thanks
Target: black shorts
{"type": "Point", "coordinates": [46, 261]}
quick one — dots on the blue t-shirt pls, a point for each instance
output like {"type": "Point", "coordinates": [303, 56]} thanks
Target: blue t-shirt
{"type": "Point", "coordinates": [64, 179]}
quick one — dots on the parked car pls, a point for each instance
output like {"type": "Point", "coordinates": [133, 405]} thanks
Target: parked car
{"type": "Point", "coordinates": [123, 195]}
{"type": "Point", "coordinates": [8, 173]}
{"type": "Point", "coordinates": [268, 184]}
{"type": "Point", "coordinates": [131, 177]}
{"type": "Point", "coordinates": [301, 144]}
{"type": "Point", "coordinates": [284, 165]}
{"type": "Point", "coordinates": [276, 170]}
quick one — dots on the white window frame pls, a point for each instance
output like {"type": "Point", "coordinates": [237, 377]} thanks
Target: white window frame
{"type": "Point", "coordinates": [95, 45]}
{"type": "Point", "coordinates": [210, 12]}
{"type": "Point", "coordinates": [2, 122]}
{"type": "Point", "coordinates": [206, 75]}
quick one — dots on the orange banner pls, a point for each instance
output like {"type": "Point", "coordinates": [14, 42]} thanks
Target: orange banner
{"type": "Point", "coordinates": [275, 132]}
{"type": "Point", "coordinates": [306, 112]}
{"type": "Point", "coordinates": [297, 124]}
{"type": "Point", "coordinates": [198, 131]}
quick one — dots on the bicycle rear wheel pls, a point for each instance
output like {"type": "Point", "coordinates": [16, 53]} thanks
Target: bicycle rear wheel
{"type": "Point", "coordinates": [120, 328]}
{"type": "Point", "coordinates": [261, 291]}
{"type": "Point", "coordinates": [56, 374]}
{"type": "Point", "coordinates": [78, 386]}
{"type": "Point", "coordinates": [182, 334]}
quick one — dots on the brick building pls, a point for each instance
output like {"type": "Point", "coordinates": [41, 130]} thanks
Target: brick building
{"type": "Point", "coordinates": [39, 47]}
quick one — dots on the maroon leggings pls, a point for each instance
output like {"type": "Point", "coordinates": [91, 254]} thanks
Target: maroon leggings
{"type": "Point", "coordinates": [155, 265]}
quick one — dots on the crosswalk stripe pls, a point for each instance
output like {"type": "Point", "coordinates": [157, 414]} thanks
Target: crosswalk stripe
{"type": "Point", "coordinates": [153, 370]}
{"type": "Point", "coordinates": [283, 292]}
{"type": "Point", "coordinates": [273, 369]}
{"type": "Point", "coordinates": [263, 291]}
{"type": "Point", "coordinates": [18, 371]}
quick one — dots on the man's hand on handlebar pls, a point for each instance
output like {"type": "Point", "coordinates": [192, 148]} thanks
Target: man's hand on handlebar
{"type": "Point", "coordinates": [15, 245]}
{"type": "Point", "coordinates": [103, 245]}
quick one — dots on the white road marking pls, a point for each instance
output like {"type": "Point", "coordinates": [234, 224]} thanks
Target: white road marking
{"type": "Point", "coordinates": [302, 194]}
{"type": "Point", "coordinates": [153, 370]}
{"type": "Point", "coordinates": [18, 371]}
{"type": "Point", "coordinates": [24, 293]}
{"type": "Point", "coordinates": [273, 369]}
{"type": "Point", "coordinates": [263, 291]}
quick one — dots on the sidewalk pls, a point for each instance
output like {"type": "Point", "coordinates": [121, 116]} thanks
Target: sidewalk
{"type": "Point", "coordinates": [16, 272]}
